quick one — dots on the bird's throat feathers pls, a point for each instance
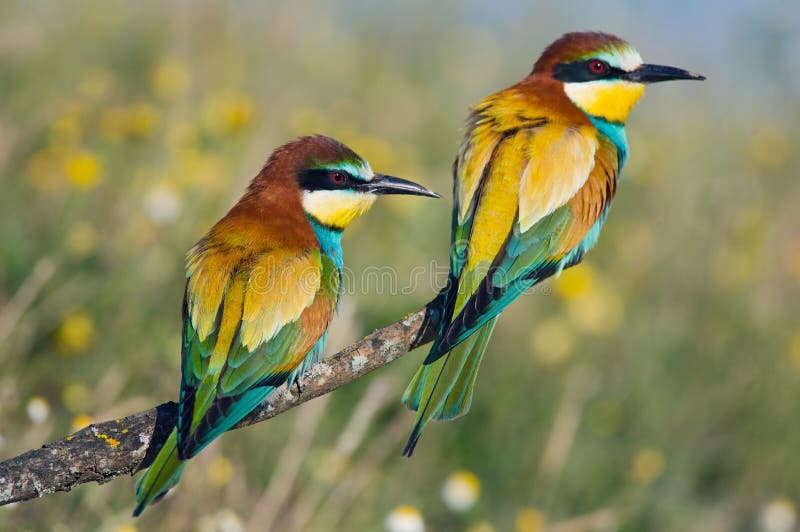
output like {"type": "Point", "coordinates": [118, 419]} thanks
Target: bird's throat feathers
{"type": "Point", "coordinates": [336, 208]}
{"type": "Point", "coordinates": [610, 100]}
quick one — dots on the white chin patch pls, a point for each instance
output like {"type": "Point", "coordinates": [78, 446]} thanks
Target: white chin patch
{"type": "Point", "coordinates": [336, 208]}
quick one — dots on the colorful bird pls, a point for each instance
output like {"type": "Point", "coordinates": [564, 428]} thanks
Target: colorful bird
{"type": "Point", "coordinates": [534, 177]}
{"type": "Point", "coordinates": [262, 287]}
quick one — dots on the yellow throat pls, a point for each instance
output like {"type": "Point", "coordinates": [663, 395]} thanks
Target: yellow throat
{"type": "Point", "coordinates": [610, 100]}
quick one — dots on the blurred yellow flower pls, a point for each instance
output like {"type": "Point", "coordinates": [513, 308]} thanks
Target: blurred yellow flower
{"type": "Point", "coordinates": [219, 471]}
{"type": "Point", "coordinates": [404, 518]}
{"type": "Point", "coordinates": [81, 421]}
{"type": "Point", "coordinates": [96, 83]}
{"type": "Point", "coordinates": [38, 409]}
{"type": "Point", "coordinates": [180, 135]}
{"type": "Point", "coordinates": [126, 528]}
{"type": "Point", "coordinates": [791, 262]}
{"type": "Point", "coordinates": [732, 267]}
{"type": "Point", "coordinates": [171, 78]}
{"type": "Point", "coordinates": [575, 282]}
{"type": "Point", "coordinates": [794, 348]}
{"type": "Point", "coordinates": [460, 490]}
{"type": "Point", "coordinates": [65, 131]}
{"type": "Point", "coordinates": [81, 239]}
{"type": "Point", "coordinates": [143, 119]}
{"type": "Point", "coordinates": [76, 397]}
{"type": "Point", "coordinates": [770, 148]}
{"type": "Point", "coordinates": [194, 169]}
{"type": "Point", "coordinates": [44, 171]}
{"type": "Point", "coordinates": [76, 332]}
{"type": "Point", "coordinates": [778, 515]}
{"type": "Point", "coordinates": [229, 112]}
{"type": "Point", "coordinates": [481, 526]}
{"type": "Point", "coordinates": [82, 169]}
{"type": "Point", "coordinates": [529, 520]}
{"type": "Point", "coordinates": [113, 124]}
{"type": "Point", "coordinates": [598, 312]}
{"type": "Point", "coordinates": [605, 417]}
{"type": "Point", "coordinates": [551, 341]}
{"type": "Point", "coordinates": [648, 465]}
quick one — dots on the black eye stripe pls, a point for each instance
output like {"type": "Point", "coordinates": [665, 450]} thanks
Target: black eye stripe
{"type": "Point", "coordinates": [579, 71]}
{"type": "Point", "coordinates": [321, 179]}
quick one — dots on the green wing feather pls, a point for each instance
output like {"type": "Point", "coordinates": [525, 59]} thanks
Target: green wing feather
{"type": "Point", "coordinates": [223, 377]}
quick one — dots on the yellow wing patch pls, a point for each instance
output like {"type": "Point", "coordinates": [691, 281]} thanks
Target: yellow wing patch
{"type": "Point", "coordinates": [474, 155]}
{"type": "Point", "coordinates": [561, 158]}
{"type": "Point", "coordinates": [492, 119]}
{"type": "Point", "coordinates": [498, 202]}
{"type": "Point", "coordinates": [209, 273]}
{"type": "Point", "coordinates": [281, 286]}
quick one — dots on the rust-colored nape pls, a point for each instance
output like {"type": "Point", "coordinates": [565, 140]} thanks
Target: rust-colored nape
{"type": "Point", "coordinates": [573, 46]}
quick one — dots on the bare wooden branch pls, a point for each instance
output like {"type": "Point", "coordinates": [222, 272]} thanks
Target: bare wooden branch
{"type": "Point", "coordinates": [104, 451]}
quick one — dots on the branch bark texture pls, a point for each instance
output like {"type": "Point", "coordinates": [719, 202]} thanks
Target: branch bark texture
{"type": "Point", "coordinates": [103, 451]}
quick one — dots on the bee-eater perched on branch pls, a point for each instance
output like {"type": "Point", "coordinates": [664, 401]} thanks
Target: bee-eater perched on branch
{"type": "Point", "coordinates": [534, 178]}
{"type": "Point", "coordinates": [262, 288]}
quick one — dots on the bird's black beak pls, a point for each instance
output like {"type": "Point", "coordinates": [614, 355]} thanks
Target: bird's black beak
{"type": "Point", "coordinates": [655, 73]}
{"type": "Point", "coordinates": [386, 184]}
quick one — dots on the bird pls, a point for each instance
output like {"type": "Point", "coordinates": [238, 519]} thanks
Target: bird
{"type": "Point", "coordinates": [261, 289]}
{"type": "Point", "coordinates": [534, 177]}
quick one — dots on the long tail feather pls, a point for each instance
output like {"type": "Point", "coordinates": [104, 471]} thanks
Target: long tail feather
{"type": "Point", "coordinates": [442, 389]}
{"type": "Point", "coordinates": [163, 475]}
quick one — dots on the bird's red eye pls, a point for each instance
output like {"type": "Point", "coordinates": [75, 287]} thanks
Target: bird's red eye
{"type": "Point", "coordinates": [338, 178]}
{"type": "Point", "coordinates": [597, 66]}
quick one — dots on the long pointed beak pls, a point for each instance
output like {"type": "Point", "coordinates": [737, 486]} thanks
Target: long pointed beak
{"type": "Point", "coordinates": [655, 73]}
{"type": "Point", "coordinates": [386, 184]}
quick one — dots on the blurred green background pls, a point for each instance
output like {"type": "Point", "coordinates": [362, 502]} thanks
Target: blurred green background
{"type": "Point", "coordinates": [655, 387]}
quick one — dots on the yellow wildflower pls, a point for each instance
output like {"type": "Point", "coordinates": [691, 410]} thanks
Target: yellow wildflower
{"type": "Point", "coordinates": [481, 526]}
{"type": "Point", "coordinates": [552, 341]}
{"type": "Point", "coordinates": [794, 348]}
{"type": "Point", "coordinates": [65, 130]}
{"type": "Point", "coordinates": [648, 465]}
{"type": "Point", "coordinates": [529, 520]}
{"type": "Point", "coordinates": [81, 421]}
{"type": "Point", "coordinates": [82, 169]}
{"type": "Point", "coordinates": [575, 282]}
{"type": "Point", "coordinates": [96, 83]}
{"type": "Point", "coordinates": [143, 120]}
{"type": "Point", "coordinates": [76, 397]}
{"type": "Point", "coordinates": [114, 124]}
{"type": "Point", "coordinates": [219, 471]}
{"type": "Point", "coordinates": [81, 239]}
{"type": "Point", "coordinates": [598, 312]}
{"type": "Point", "coordinates": [75, 333]}
{"type": "Point", "coordinates": [229, 112]}
{"type": "Point", "coordinates": [171, 78]}
{"type": "Point", "coordinates": [43, 171]}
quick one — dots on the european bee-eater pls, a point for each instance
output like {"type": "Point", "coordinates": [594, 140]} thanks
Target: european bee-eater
{"type": "Point", "coordinates": [262, 287]}
{"type": "Point", "coordinates": [534, 177]}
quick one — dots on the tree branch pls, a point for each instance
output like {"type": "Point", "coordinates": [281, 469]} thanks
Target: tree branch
{"type": "Point", "coordinates": [103, 451]}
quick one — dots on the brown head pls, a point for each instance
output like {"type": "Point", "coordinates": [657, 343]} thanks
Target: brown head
{"type": "Point", "coordinates": [333, 183]}
{"type": "Point", "coordinates": [602, 74]}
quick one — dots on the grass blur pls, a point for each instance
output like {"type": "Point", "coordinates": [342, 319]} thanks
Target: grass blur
{"type": "Point", "coordinates": [655, 387]}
